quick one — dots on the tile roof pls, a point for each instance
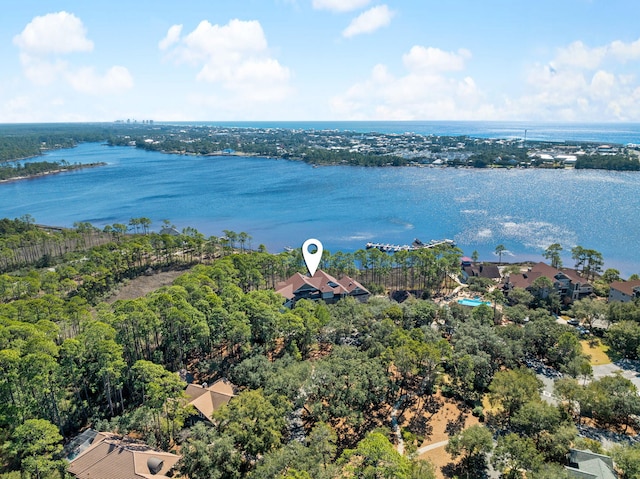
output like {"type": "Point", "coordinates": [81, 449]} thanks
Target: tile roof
{"type": "Point", "coordinates": [525, 280]}
{"type": "Point", "coordinates": [320, 282]}
{"type": "Point", "coordinates": [113, 457]}
{"type": "Point", "coordinates": [209, 399]}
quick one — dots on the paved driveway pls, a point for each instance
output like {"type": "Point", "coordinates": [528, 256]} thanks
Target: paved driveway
{"type": "Point", "coordinates": [627, 368]}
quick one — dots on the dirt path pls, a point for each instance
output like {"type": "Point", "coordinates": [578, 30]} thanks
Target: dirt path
{"type": "Point", "coordinates": [431, 447]}
{"type": "Point", "coordinates": [142, 285]}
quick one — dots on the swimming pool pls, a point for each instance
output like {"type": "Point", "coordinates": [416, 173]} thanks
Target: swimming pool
{"type": "Point", "coordinates": [472, 302]}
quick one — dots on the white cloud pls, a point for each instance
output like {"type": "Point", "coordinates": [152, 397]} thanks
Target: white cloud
{"type": "Point", "coordinates": [427, 90]}
{"type": "Point", "coordinates": [582, 83]}
{"type": "Point", "coordinates": [41, 71]}
{"type": "Point", "coordinates": [224, 44]}
{"type": "Point", "coordinates": [86, 80]}
{"type": "Point", "coordinates": [234, 56]}
{"type": "Point", "coordinates": [602, 84]}
{"type": "Point", "coordinates": [60, 32]}
{"type": "Point", "coordinates": [625, 51]}
{"type": "Point", "coordinates": [369, 21]}
{"type": "Point", "coordinates": [577, 54]}
{"type": "Point", "coordinates": [424, 59]}
{"type": "Point", "coordinates": [44, 42]}
{"type": "Point", "coordinates": [340, 5]}
{"type": "Point", "coordinates": [173, 36]}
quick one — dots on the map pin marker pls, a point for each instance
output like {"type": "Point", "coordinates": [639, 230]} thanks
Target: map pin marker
{"type": "Point", "coordinates": [312, 260]}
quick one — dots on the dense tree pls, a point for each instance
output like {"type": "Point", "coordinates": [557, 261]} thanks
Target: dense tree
{"type": "Point", "coordinates": [589, 261]}
{"type": "Point", "coordinates": [161, 392]}
{"type": "Point", "coordinates": [588, 310]}
{"type": "Point", "coordinates": [514, 454]}
{"type": "Point", "coordinates": [375, 457]}
{"type": "Point", "coordinates": [347, 386]}
{"type": "Point", "coordinates": [627, 459]}
{"type": "Point", "coordinates": [255, 422]}
{"type": "Point", "coordinates": [552, 253]}
{"type": "Point", "coordinates": [35, 445]}
{"type": "Point", "coordinates": [473, 444]}
{"type": "Point", "coordinates": [512, 389]}
{"type": "Point", "coordinates": [208, 455]}
{"type": "Point", "coordinates": [314, 457]}
{"type": "Point", "coordinates": [623, 339]}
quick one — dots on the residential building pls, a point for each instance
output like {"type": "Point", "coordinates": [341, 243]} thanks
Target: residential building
{"type": "Point", "coordinates": [207, 399]}
{"type": "Point", "coordinates": [589, 465]}
{"type": "Point", "coordinates": [320, 286]}
{"type": "Point", "coordinates": [475, 270]}
{"type": "Point", "coordinates": [624, 291]}
{"type": "Point", "coordinates": [568, 283]}
{"type": "Point", "coordinates": [102, 455]}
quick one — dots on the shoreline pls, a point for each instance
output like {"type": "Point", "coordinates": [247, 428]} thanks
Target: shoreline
{"type": "Point", "coordinates": [52, 172]}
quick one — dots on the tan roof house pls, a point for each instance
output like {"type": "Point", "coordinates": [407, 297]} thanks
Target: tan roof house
{"type": "Point", "coordinates": [110, 456]}
{"type": "Point", "coordinates": [320, 286]}
{"type": "Point", "coordinates": [207, 399]}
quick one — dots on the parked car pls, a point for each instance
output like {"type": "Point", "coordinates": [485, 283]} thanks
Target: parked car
{"type": "Point", "coordinates": [573, 322]}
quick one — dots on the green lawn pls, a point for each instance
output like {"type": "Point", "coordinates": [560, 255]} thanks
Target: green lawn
{"type": "Point", "coordinates": [598, 354]}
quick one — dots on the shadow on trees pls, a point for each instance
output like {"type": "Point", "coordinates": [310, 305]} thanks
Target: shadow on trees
{"type": "Point", "coordinates": [473, 467]}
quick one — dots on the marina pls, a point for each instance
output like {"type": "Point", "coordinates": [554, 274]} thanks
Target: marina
{"type": "Point", "coordinates": [416, 245]}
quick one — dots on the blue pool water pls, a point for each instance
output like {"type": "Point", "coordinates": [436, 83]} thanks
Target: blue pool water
{"type": "Point", "coordinates": [472, 302]}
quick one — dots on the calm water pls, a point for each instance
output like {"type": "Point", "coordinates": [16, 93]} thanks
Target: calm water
{"type": "Point", "coordinates": [621, 133]}
{"type": "Point", "coordinates": [282, 203]}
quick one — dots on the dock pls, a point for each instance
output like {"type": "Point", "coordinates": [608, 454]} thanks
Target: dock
{"type": "Point", "coordinates": [416, 245]}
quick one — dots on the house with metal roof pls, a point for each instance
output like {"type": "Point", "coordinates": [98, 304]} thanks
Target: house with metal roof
{"type": "Point", "coordinates": [589, 465]}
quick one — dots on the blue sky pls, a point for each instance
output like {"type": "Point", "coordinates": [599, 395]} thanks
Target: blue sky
{"type": "Point", "coordinates": [217, 60]}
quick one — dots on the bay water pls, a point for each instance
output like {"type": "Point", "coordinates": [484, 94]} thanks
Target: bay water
{"type": "Point", "coordinates": [282, 203]}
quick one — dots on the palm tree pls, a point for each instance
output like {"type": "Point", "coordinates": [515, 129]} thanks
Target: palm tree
{"type": "Point", "coordinates": [499, 250]}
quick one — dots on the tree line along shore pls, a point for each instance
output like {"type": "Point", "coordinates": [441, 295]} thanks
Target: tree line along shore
{"type": "Point", "coordinates": [321, 147]}
{"type": "Point", "coordinates": [317, 385]}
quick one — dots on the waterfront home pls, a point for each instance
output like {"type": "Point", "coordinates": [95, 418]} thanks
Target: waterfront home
{"type": "Point", "coordinates": [110, 456]}
{"type": "Point", "coordinates": [567, 282]}
{"type": "Point", "coordinates": [169, 230]}
{"type": "Point", "coordinates": [321, 286]}
{"type": "Point", "coordinates": [624, 291]}
{"type": "Point", "coordinates": [474, 270]}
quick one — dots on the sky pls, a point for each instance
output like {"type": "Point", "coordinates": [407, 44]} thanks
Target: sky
{"type": "Point", "coordinates": [276, 60]}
